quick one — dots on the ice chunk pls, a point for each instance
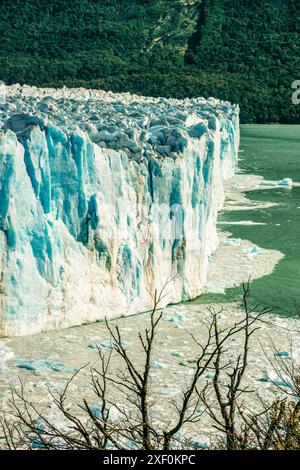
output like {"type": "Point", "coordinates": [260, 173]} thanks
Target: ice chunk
{"type": "Point", "coordinates": [5, 354]}
{"type": "Point", "coordinates": [200, 442]}
{"type": "Point", "coordinates": [177, 354]}
{"type": "Point", "coordinates": [37, 366]}
{"type": "Point", "coordinates": [232, 242]}
{"type": "Point", "coordinates": [158, 365]}
{"type": "Point", "coordinates": [282, 354]}
{"type": "Point", "coordinates": [174, 317]}
{"type": "Point", "coordinates": [273, 378]}
{"type": "Point", "coordinates": [108, 346]}
{"type": "Point", "coordinates": [287, 182]}
{"type": "Point", "coordinates": [251, 251]}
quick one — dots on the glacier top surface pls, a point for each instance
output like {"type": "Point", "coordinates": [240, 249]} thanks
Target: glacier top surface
{"type": "Point", "coordinates": [127, 122]}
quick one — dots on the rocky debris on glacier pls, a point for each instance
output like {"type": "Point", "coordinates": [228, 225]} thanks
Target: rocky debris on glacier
{"type": "Point", "coordinates": [103, 197]}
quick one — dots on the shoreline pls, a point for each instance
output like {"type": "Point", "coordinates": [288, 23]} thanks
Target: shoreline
{"type": "Point", "coordinates": [237, 260]}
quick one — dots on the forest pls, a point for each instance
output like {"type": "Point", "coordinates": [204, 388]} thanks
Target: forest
{"type": "Point", "coordinates": [244, 51]}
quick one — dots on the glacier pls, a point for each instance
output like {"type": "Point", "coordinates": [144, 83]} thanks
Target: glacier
{"type": "Point", "coordinates": [104, 198]}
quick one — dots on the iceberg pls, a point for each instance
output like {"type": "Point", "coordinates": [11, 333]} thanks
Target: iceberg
{"type": "Point", "coordinates": [104, 198]}
{"type": "Point", "coordinates": [287, 182]}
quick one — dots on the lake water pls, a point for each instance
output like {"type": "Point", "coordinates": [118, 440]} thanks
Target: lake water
{"type": "Point", "coordinates": [272, 151]}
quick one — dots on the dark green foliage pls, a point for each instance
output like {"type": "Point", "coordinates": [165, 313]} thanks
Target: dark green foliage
{"type": "Point", "coordinates": [246, 51]}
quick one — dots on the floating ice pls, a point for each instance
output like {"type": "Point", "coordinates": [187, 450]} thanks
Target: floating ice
{"type": "Point", "coordinates": [286, 182]}
{"type": "Point", "coordinates": [251, 251]}
{"type": "Point", "coordinates": [215, 289]}
{"type": "Point", "coordinates": [158, 365]}
{"type": "Point", "coordinates": [177, 354]}
{"type": "Point", "coordinates": [232, 242]}
{"type": "Point", "coordinates": [5, 354]}
{"type": "Point", "coordinates": [200, 442]}
{"type": "Point", "coordinates": [108, 346]}
{"type": "Point", "coordinates": [241, 222]}
{"type": "Point", "coordinates": [282, 354]}
{"type": "Point", "coordinates": [174, 317]}
{"type": "Point", "coordinates": [273, 378]}
{"type": "Point", "coordinates": [37, 366]}
{"type": "Point", "coordinates": [36, 443]}
{"type": "Point", "coordinates": [115, 412]}
{"type": "Point", "coordinates": [168, 391]}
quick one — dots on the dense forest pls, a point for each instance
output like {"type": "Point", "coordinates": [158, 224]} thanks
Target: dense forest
{"type": "Point", "coordinates": [245, 51]}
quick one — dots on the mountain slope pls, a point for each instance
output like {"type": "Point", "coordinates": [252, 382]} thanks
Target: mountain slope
{"type": "Point", "coordinates": [244, 51]}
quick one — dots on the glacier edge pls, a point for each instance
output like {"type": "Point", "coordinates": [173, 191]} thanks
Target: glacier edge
{"type": "Point", "coordinates": [103, 198]}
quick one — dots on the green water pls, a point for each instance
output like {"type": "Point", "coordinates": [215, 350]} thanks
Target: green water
{"type": "Point", "coordinates": [272, 151]}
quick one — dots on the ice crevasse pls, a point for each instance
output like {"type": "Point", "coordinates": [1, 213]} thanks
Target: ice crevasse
{"type": "Point", "coordinates": [103, 198]}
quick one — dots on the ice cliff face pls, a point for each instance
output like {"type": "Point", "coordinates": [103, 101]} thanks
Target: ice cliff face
{"type": "Point", "coordinates": [103, 198]}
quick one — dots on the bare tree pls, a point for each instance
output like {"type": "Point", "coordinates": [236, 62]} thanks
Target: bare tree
{"type": "Point", "coordinates": [276, 426]}
{"type": "Point", "coordinates": [136, 426]}
{"type": "Point", "coordinates": [223, 397]}
{"type": "Point", "coordinates": [132, 422]}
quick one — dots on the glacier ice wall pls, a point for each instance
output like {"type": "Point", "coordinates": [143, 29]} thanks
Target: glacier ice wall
{"type": "Point", "coordinates": [103, 198]}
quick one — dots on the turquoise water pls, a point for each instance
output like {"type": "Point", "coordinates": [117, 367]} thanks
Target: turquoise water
{"type": "Point", "coordinates": [272, 151]}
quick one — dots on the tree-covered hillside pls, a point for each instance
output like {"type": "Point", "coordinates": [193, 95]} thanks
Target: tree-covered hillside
{"type": "Point", "coordinates": [246, 51]}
